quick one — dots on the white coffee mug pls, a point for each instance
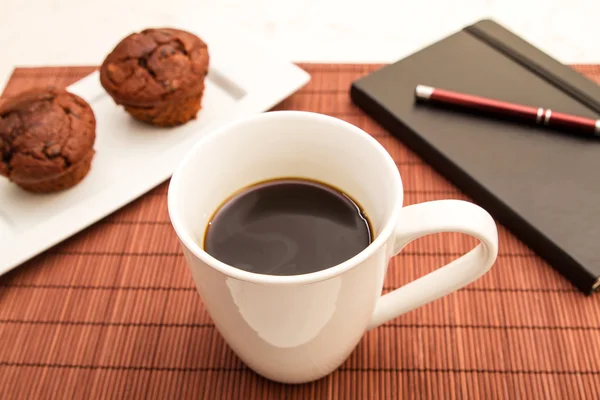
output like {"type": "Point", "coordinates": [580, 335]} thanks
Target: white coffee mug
{"type": "Point", "coordinates": [300, 328]}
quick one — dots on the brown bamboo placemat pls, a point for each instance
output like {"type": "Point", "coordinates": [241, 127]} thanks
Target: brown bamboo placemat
{"type": "Point", "coordinates": [112, 312]}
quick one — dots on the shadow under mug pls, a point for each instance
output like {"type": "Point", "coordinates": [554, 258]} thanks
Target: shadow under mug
{"type": "Point", "coordinates": [300, 328]}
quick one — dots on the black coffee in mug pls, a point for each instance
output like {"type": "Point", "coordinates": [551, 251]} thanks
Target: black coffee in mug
{"type": "Point", "coordinates": [287, 227]}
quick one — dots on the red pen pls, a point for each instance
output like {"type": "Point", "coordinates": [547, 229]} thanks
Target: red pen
{"type": "Point", "coordinates": [511, 111]}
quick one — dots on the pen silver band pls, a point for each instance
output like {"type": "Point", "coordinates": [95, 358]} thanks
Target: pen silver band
{"type": "Point", "coordinates": [547, 116]}
{"type": "Point", "coordinates": [597, 130]}
{"type": "Point", "coordinates": [540, 113]}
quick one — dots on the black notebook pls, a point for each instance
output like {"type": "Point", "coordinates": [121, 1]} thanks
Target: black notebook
{"type": "Point", "coordinates": [542, 185]}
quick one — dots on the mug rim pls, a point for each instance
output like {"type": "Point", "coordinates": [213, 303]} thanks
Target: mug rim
{"type": "Point", "coordinates": [192, 246]}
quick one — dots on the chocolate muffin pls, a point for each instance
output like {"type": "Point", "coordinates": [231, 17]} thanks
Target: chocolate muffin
{"type": "Point", "coordinates": [157, 75]}
{"type": "Point", "coordinates": [46, 139]}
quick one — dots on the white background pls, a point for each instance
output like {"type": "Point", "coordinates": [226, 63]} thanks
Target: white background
{"type": "Point", "coordinates": [82, 32]}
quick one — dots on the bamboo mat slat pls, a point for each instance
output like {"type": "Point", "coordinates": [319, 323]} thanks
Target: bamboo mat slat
{"type": "Point", "coordinates": [112, 312]}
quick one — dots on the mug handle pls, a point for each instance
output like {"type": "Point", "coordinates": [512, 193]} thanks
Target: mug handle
{"type": "Point", "coordinates": [434, 217]}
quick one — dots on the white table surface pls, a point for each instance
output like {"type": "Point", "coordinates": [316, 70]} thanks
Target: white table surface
{"type": "Point", "coordinates": [82, 32]}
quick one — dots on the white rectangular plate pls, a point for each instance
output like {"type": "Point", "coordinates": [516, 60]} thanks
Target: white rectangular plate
{"type": "Point", "coordinates": [131, 157]}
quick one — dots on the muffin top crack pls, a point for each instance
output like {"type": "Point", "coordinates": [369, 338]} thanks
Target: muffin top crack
{"type": "Point", "coordinates": [153, 66]}
{"type": "Point", "coordinates": [43, 132]}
